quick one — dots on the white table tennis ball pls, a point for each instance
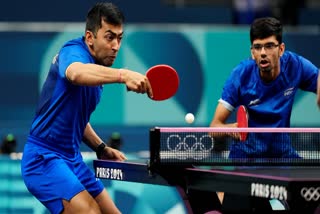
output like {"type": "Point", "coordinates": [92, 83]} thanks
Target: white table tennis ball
{"type": "Point", "coordinates": [189, 118]}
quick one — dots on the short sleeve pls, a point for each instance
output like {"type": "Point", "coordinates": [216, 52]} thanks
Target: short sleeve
{"type": "Point", "coordinates": [69, 55]}
{"type": "Point", "coordinates": [309, 75]}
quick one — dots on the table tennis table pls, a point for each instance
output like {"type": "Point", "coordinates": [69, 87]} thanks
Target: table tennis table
{"type": "Point", "coordinates": [196, 161]}
{"type": "Point", "coordinates": [298, 186]}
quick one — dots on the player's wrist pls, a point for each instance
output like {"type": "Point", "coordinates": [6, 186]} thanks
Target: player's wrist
{"type": "Point", "coordinates": [120, 80]}
{"type": "Point", "coordinates": [100, 149]}
{"type": "Point", "coordinates": [121, 75]}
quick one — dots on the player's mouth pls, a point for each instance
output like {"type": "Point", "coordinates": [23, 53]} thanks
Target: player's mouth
{"type": "Point", "coordinates": [108, 61]}
{"type": "Point", "coordinates": [112, 58]}
{"type": "Point", "coordinates": [264, 63]}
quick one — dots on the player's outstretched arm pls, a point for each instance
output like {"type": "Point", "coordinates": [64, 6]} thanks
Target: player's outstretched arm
{"type": "Point", "coordinates": [93, 75]}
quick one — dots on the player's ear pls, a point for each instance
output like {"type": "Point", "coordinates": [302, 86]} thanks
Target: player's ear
{"type": "Point", "coordinates": [89, 37]}
{"type": "Point", "coordinates": [282, 48]}
{"type": "Point", "coordinates": [252, 55]}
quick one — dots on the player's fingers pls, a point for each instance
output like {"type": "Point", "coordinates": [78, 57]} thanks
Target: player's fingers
{"type": "Point", "coordinates": [143, 87]}
{"type": "Point", "coordinates": [139, 86]}
{"type": "Point", "coordinates": [234, 135]}
{"type": "Point", "coordinates": [237, 136]}
{"type": "Point", "coordinates": [149, 89]}
{"type": "Point", "coordinates": [133, 86]}
{"type": "Point", "coordinates": [120, 156]}
{"type": "Point", "coordinates": [117, 156]}
{"type": "Point", "coordinates": [123, 157]}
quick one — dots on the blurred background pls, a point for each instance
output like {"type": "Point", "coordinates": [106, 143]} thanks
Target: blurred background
{"type": "Point", "coordinates": [202, 39]}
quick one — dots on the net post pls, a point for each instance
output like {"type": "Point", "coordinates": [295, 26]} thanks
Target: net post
{"type": "Point", "coordinates": [154, 146]}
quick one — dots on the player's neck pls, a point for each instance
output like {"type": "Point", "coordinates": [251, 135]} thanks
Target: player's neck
{"type": "Point", "coordinates": [268, 76]}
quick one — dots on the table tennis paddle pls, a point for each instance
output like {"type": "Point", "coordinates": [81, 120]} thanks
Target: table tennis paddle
{"type": "Point", "coordinates": [242, 120]}
{"type": "Point", "coordinates": [164, 81]}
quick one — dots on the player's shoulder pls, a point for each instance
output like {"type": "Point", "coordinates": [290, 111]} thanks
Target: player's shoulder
{"type": "Point", "coordinates": [288, 55]}
{"type": "Point", "coordinates": [249, 62]}
{"type": "Point", "coordinates": [245, 66]}
{"type": "Point", "coordinates": [290, 58]}
{"type": "Point", "coordinates": [74, 43]}
{"type": "Point", "coordinates": [244, 72]}
{"type": "Point", "coordinates": [77, 48]}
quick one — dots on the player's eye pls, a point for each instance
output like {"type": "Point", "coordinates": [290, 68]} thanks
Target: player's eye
{"type": "Point", "coordinates": [257, 47]}
{"type": "Point", "coordinates": [269, 45]}
{"type": "Point", "coordinates": [109, 37]}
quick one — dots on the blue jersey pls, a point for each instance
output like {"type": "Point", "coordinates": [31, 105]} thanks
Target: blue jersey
{"type": "Point", "coordinates": [268, 104]}
{"type": "Point", "coordinates": [52, 162]}
{"type": "Point", "coordinates": [58, 124]}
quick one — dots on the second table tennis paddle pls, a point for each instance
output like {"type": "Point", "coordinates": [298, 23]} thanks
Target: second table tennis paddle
{"type": "Point", "coordinates": [242, 120]}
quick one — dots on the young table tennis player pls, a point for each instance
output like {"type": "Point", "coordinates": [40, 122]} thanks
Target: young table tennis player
{"type": "Point", "coordinates": [52, 165]}
{"type": "Point", "coordinates": [266, 85]}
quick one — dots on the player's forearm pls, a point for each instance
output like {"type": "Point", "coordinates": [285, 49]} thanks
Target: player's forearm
{"type": "Point", "coordinates": [217, 124]}
{"type": "Point", "coordinates": [224, 125]}
{"type": "Point", "coordinates": [93, 75]}
{"type": "Point", "coordinates": [90, 138]}
{"type": "Point", "coordinates": [220, 120]}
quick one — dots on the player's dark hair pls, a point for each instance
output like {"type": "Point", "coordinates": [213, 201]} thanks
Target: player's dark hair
{"type": "Point", "coordinates": [105, 11]}
{"type": "Point", "coordinates": [262, 28]}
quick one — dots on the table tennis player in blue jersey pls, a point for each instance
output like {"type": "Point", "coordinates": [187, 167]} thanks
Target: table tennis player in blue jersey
{"type": "Point", "coordinates": [52, 166]}
{"type": "Point", "coordinates": [266, 85]}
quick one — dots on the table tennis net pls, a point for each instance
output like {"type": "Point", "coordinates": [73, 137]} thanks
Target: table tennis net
{"type": "Point", "coordinates": [216, 146]}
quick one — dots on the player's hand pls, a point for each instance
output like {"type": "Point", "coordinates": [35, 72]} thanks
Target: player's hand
{"type": "Point", "coordinates": [136, 82]}
{"type": "Point", "coordinates": [234, 135]}
{"type": "Point", "coordinates": [112, 154]}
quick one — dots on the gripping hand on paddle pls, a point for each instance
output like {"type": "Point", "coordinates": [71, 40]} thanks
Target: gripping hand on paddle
{"type": "Point", "coordinates": [135, 81]}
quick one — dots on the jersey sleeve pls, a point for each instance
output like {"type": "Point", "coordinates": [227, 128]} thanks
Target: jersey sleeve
{"type": "Point", "coordinates": [309, 75]}
{"type": "Point", "coordinates": [230, 91]}
{"type": "Point", "coordinates": [69, 55]}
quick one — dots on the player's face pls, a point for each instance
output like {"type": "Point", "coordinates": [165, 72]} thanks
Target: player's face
{"type": "Point", "coordinates": [267, 52]}
{"type": "Point", "coordinates": [104, 46]}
